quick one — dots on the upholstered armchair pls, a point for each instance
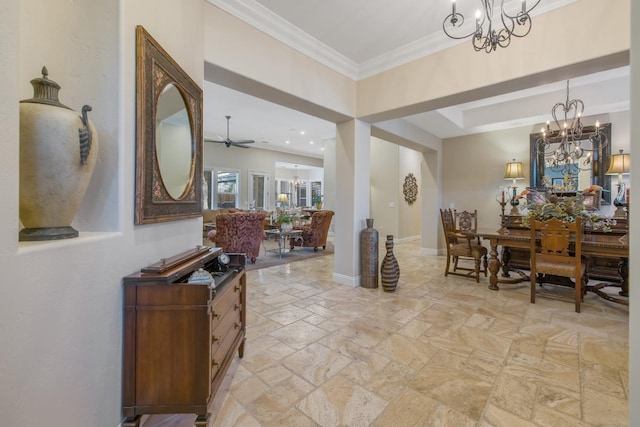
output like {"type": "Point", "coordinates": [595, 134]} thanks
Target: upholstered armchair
{"type": "Point", "coordinates": [240, 232]}
{"type": "Point", "coordinates": [314, 235]}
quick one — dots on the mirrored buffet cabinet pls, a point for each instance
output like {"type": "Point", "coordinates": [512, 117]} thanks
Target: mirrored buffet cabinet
{"type": "Point", "coordinates": [184, 318]}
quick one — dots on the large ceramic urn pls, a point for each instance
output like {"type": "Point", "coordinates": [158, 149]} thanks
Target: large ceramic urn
{"type": "Point", "coordinates": [58, 151]}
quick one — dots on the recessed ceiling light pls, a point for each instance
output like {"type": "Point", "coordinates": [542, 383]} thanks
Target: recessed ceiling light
{"type": "Point", "coordinates": [321, 148]}
{"type": "Point", "coordinates": [310, 142]}
{"type": "Point", "coordinates": [301, 132]}
{"type": "Point", "coordinates": [287, 142]}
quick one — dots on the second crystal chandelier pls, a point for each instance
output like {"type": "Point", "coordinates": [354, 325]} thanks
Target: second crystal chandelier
{"type": "Point", "coordinates": [487, 34]}
{"type": "Point", "coordinates": [564, 148]}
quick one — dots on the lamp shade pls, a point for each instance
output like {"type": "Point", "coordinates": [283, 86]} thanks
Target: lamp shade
{"type": "Point", "coordinates": [514, 170]}
{"type": "Point", "coordinates": [282, 198]}
{"type": "Point", "coordinates": [619, 164]}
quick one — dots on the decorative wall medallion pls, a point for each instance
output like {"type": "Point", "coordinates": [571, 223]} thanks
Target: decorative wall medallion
{"type": "Point", "coordinates": [410, 188]}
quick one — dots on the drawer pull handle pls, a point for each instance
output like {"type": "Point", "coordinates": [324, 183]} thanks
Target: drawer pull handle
{"type": "Point", "coordinates": [215, 315]}
{"type": "Point", "coordinates": [238, 307]}
{"type": "Point", "coordinates": [236, 325]}
{"type": "Point", "coordinates": [237, 288]}
{"type": "Point", "coordinates": [214, 338]}
{"type": "Point", "coordinates": [215, 363]}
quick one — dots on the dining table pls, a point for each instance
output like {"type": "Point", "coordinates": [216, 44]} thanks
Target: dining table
{"type": "Point", "coordinates": [598, 244]}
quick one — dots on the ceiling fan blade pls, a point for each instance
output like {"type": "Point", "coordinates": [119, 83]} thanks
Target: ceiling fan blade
{"type": "Point", "coordinates": [239, 145]}
{"type": "Point", "coordinates": [220, 140]}
{"type": "Point", "coordinates": [229, 142]}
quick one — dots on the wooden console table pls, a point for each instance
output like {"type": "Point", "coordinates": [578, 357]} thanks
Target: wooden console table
{"type": "Point", "coordinates": [607, 245]}
{"type": "Point", "coordinates": [180, 337]}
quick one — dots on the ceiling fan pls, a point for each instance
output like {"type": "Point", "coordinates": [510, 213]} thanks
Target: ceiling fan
{"type": "Point", "coordinates": [228, 141]}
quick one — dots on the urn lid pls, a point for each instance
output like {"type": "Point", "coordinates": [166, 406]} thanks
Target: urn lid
{"type": "Point", "coordinates": [45, 91]}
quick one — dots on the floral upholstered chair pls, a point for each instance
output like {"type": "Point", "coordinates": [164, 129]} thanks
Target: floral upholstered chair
{"type": "Point", "coordinates": [314, 235]}
{"type": "Point", "coordinates": [240, 232]}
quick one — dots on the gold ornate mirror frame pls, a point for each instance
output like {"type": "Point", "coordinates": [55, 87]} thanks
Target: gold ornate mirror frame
{"type": "Point", "coordinates": [155, 70]}
{"type": "Point", "coordinates": [599, 160]}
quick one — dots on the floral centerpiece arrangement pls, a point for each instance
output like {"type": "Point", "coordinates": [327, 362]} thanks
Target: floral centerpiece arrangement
{"type": "Point", "coordinates": [285, 217]}
{"type": "Point", "coordinates": [544, 206]}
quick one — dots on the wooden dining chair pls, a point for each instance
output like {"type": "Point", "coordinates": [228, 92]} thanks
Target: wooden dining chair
{"type": "Point", "coordinates": [556, 250]}
{"type": "Point", "coordinates": [463, 243]}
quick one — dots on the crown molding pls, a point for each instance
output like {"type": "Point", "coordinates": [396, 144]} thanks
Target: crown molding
{"type": "Point", "coordinates": [263, 19]}
{"type": "Point", "coordinates": [258, 16]}
{"type": "Point", "coordinates": [405, 54]}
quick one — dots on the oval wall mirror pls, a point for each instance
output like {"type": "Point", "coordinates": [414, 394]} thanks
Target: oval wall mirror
{"type": "Point", "coordinates": [169, 136]}
{"type": "Point", "coordinates": [174, 150]}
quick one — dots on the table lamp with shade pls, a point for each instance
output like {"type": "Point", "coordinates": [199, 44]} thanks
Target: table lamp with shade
{"type": "Point", "coordinates": [514, 172]}
{"type": "Point", "coordinates": [282, 199]}
{"type": "Point", "coordinates": [620, 164]}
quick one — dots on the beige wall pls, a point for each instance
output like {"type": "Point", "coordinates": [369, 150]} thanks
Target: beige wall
{"type": "Point", "coordinates": [385, 198]}
{"type": "Point", "coordinates": [634, 249]}
{"type": "Point", "coordinates": [289, 77]}
{"type": "Point", "coordinates": [409, 161]}
{"type": "Point", "coordinates": [252, 159]}
{"type": "Point", "coordinates": [330, 175]}
{"type": "Point", "coordinates": [61, 301]}
{"type": "Point", "coordinates": [473, 166]}
{"type": "Point", "coordinates": [390, 164]}
{"type": "Point", "coordinates": [457, 75]}
{"type": "Point", "coordinates": [86, 77]}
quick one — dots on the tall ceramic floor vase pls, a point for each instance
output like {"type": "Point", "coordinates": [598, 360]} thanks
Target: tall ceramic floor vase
{"type": "Point", "coordinates": [369, 256]}
{"type": "Point", "coordinates": [389, 270]}
{"type": "Point", "coordinates": [58, 151]}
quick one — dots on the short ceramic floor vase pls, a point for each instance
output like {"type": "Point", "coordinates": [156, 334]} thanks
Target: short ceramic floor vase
{"type": "Point", "coordinates": [58, 151]}
{"type": "Point", "coordinates": [389, 270]}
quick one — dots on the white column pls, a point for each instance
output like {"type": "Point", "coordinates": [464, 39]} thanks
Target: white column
{"type": "Point", "coordinates": [431, 199]}
{"type": "Point", "coordinates": [353, 159]}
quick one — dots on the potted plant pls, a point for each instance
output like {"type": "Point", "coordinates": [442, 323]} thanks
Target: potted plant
{"type": "Point", "coordinates": [317, 200]}
{"type": "Point", "coordinates": [285, 220]}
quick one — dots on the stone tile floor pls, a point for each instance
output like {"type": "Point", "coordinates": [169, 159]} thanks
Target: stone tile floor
{"type": "Point", "coordinates": [437, 352]}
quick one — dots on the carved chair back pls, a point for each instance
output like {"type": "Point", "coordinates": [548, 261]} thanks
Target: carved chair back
{"type": "Point", "coordinates": [556, 249]}
{"type": "Point", "coordinates": [462, 242]}
{"type": "Point", "coordinates": [466, 222]}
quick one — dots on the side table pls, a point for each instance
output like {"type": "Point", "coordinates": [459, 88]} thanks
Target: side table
{"type": "Point", "coordinates": [283, 237]}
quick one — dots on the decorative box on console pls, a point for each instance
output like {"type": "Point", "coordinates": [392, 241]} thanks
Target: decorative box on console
{"type": "Point", "coordinates": [180, 337]}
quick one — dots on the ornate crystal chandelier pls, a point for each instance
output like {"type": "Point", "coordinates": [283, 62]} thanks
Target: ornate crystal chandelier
{"type": "Point", "coordinates": [565, 149]}
{"type": "Point", "coordinates": [487, 34]}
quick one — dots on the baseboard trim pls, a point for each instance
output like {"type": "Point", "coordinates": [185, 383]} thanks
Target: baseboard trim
{"type": "Point", "coordinates": [430, 251]}
{"type": "Point", "coordinates": [342, 279]}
